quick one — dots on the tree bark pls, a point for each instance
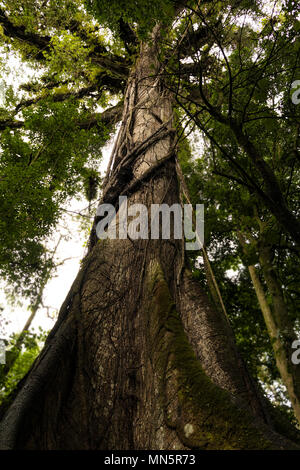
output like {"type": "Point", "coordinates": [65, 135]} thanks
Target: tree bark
{"type": "Point", "coordinates": [138, 359]}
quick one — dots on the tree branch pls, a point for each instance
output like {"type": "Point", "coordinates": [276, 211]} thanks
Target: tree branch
{"type": "Point", "coordinates": [20, 33]}
{"type": "Point", "coordinates": [116, 64]}
{"type": "Point", "coordinates": [104, 81]}
{"type": "Point", "coordinates": [109, 117]}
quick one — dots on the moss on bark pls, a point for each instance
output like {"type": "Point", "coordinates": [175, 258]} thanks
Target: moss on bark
{"type": "Point", "coordinates": [204, 415]}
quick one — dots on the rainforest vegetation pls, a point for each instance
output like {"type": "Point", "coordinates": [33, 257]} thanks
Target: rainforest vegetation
{"type": "Point", "coordinates": [155, 346]}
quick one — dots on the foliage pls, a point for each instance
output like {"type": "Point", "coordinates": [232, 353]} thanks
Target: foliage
{"type": "Point", "coordinates": [42, 166]}
{"type": "Point", "coordinates": [144, 17]}
{"type": "Point", "coordinates": [32, 345]}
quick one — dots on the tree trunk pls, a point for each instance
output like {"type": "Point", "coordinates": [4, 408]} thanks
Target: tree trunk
{"type": "Point", "coordinates": [278, 323]}
{"type": "Point", "coordinates": [282, 350]}
{"type": "Point", "coordinates": [285, 334]}
{"type": "Point", "coordinates": [138, 359]}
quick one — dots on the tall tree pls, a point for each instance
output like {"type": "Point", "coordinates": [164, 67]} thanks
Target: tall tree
{"type": "Point", "coordinates": [138, 358]}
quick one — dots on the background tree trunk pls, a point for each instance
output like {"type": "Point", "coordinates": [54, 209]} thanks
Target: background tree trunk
{"type": "Point", "coordinates": [276, 317]}
{"type": "Point", "coordinates": [138, 359]}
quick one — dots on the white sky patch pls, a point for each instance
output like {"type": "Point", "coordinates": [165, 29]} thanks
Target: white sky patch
{"type": "Point", "coordinates": [232, 274]}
